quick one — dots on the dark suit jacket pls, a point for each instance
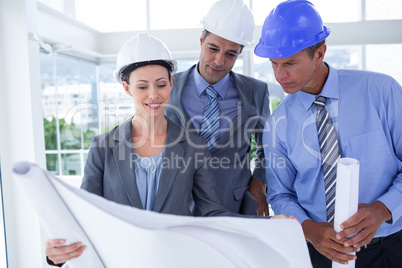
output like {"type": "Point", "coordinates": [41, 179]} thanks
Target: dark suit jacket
{"type": "Point", "coordinates": [109, 172]}
{"type": "Point", "coordinates": [233, 179]}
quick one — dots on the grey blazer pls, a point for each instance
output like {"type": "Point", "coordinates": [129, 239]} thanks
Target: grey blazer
{"type": "Point", "coordinates": [109, 172]}
{"type": "Point", "coordinates": [234, 175]}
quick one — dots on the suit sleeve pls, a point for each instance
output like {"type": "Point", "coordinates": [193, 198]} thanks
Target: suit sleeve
{"type": "Point", "coordinates": [259, 171]}
{"type": "Point", "coordinates": [205, 191]}
{"type": "Point", "coordinates": [94, 169]}
{"type": "Point", "coordinates": [53, 264]}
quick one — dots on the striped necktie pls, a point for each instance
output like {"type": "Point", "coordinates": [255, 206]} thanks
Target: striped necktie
{"type": "Point", "coordinates": [329, 148]}
{"type": "Point", "coordinates": [210, 122]}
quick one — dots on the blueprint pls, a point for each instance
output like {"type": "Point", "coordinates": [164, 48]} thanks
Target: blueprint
{"type": "Point", "coordinates": [122, 236]}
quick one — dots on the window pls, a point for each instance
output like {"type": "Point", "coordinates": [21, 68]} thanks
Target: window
{"type": "Point", "coordinates": [184, 64]}
{"type": "Point", "coordinates": [177, 14]}
{"type": "Point", "coordinates": [339, 11]}
{"type": "Point", "coordinates": [261, 9]}
{"type": "Point", "coordinates": [344, 57]}
{"type": "Point", "coordinates": [115, 106]}
{"type": "Point", "coordinates": [383, 10]}
{"type": "Point", "coordinates": [141, 15]}
{"type": "Point", "coordinates": [331, 11]}
{"type": "Point", "coordinates": [385, 59]}
{"type": "Point", "coordinates": [69, 99]}
{"type": "Point", "coordinates": [112, 16]}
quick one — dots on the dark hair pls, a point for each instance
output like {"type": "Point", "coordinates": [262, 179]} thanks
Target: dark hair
{"type": "Point", "coordinates": [206, 33]}
{"type": "Point", "coordinates": [311, 49]}
{"type": "Point", "coordinates": [126, 71]}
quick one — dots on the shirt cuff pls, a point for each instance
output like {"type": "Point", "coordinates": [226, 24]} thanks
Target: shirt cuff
{"type": "Point", "coordinates": [63, 265]}
{"type": "Point", "coordinates": [391, 200]}
{"type": "Point", "coordinates": [254, 178]}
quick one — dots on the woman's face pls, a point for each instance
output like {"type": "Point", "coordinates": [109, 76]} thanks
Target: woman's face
{"type": "Point", "coordinates": [150, 88]}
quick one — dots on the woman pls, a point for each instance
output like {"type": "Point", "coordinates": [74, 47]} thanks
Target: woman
{"type": "Point", "coordinates": [147, 162]}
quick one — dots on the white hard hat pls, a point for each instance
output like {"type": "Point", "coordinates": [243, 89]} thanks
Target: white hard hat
{"type": "Point", "coordinates": [143, 49]}
{"type": "Point", "coordinates": [232, 20]}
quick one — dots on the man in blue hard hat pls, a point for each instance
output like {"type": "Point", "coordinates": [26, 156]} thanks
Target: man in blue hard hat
{"type": "Point", "coordinates": [327, 114]}
{"type": "Point", "coordinates": [241, 107]}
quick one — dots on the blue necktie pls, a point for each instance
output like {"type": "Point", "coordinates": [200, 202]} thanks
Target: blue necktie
{"type": "Point", "coordinates": [329, 148]}
{"type": "Point", "coordinates": [210, 122]}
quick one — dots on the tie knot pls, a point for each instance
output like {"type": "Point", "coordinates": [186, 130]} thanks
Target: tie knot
{"type": "Point", "coordinates": [211, 92]}
{"type": "Point", "coordinates": [320, 101]}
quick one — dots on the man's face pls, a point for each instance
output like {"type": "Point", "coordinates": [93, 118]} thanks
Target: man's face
{"type": "Point", "coordinates": [217, 57]}
{"type": "Point", "coordinates": [298, 72]}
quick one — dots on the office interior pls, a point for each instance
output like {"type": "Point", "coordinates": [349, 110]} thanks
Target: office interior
{"type": "Point", "coordinates": [56, 63]}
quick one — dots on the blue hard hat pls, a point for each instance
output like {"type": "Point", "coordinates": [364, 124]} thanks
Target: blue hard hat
{"type": "Point", "coordinates": [289, 28]}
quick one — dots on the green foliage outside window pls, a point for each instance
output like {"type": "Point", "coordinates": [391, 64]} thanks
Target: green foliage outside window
{"type": "Point", "coordinates": [66, 143]}
{"type": "Point", "coordinates": [70, 139]}
{"type": "Point", "coordinates": [275, 102]}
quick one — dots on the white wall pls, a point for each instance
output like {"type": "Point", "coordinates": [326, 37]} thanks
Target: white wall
{"type": "Point", "coordinates": [21, 135]}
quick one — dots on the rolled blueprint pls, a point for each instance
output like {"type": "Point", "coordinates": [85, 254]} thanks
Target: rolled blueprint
{"type": "Point", "coordinates": [122, 236]}
{"type": "Point", "coordinates": [53, 211]}
{"type": "Point", "coordinates": [346, 197]}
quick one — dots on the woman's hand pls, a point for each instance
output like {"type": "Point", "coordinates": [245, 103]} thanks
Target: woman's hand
{"type": "Point", "coordinates": [58, 253]}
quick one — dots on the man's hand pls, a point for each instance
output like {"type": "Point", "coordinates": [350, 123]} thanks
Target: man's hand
{"type": "Point", "coordinates": [258, 190]}
{"type": "Point", "coordinates": [58, 253]}
{"type": "Point", "coordinates": [366, 222]}
{"type": "Point", "coordinates": [322, 236]}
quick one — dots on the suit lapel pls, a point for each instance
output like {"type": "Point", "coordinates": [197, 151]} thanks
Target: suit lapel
{"type": "Point", "coordinates": [173, 151]}
{"type": "Point", "coordinates": [123, 156]}
{"type": "Point", "coordinates": [175, 99]}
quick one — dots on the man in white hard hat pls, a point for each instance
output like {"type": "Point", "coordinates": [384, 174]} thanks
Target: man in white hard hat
{"type": "Point", "coordinates": [327, 114]}
{"type": "Point", "coordinates": [239, 107]}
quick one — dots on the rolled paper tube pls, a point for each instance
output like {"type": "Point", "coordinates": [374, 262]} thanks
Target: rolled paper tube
{"type": "Point", "coordinates": [346, 197]}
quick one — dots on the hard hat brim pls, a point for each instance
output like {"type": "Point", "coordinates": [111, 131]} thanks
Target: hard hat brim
{"type": "Point", "coordinates": [271, 52]}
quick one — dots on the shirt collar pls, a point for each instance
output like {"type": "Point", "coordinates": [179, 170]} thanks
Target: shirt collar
{"type": "Point", "coordinates": [330, 90]}
{"type": "Point", "coordinates": [201, 84]}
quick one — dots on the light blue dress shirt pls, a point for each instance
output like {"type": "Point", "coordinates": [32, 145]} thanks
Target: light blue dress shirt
{"type": "Point", "coordinates": [195, 100]}
{"type": "Point", "coordinates": [366, 109]}
{"type": "Point", "coordinates": [147, 174]}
